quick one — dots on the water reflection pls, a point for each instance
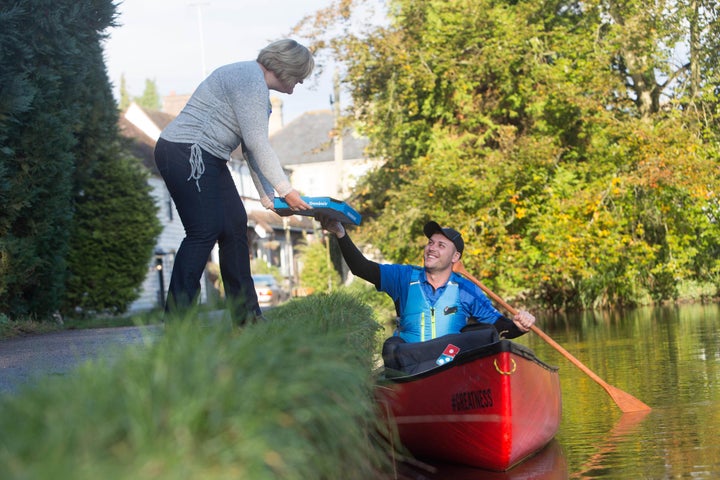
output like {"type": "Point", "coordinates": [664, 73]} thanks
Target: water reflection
{"type": "Point", "coordinates": [612, 443]}
{"type": "Point", "coordinates": [667, 357]}
{"type": "Point", "coordinates": [548, 464]}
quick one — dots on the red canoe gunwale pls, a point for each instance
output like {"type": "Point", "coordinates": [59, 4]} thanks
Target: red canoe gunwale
{"type": "Point", "coordinates": [491, 407]}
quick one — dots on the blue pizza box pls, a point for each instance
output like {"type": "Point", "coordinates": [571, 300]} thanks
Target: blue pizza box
{"type": "Point", "coordinates": [337, 209]}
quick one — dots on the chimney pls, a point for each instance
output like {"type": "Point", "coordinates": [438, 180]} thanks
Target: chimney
{"type": "Point", "coordinates": [276, 117]}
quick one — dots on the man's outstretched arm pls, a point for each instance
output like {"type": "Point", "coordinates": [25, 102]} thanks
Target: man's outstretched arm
{"type": "Point", "coordinates": [359, 265]}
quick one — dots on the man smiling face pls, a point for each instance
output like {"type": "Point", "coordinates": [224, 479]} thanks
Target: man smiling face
{"type": "Point", "coordinates": [445, 247]}
{"type": "Point", "coordinates": [440, 253]}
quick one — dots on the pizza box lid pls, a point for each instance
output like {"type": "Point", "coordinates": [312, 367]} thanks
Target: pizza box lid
{"type": "Point", "coordinates": [336, 209]}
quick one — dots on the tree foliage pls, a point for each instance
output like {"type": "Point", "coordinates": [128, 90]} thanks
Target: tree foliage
{"type": "Point", "coordinates": [124, 102]}
{"type": "Point", "coordinates": [150, 98]}
{"type": "Point", "coordinates": [58, 128]}
{"type": "Point", "coordinates": [318, 272]}
{"type": "Point", "coordinates": [575, 153]}
{"type": "Point", "coordinates": [113, 236]}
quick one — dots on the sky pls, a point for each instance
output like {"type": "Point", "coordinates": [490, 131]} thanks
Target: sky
{"type": "Point", "coordinates": [161, 40]}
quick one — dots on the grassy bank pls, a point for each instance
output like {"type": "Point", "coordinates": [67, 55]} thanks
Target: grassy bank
{"type": "Point", "coordinates": [286, 399]}
{"type": "Point", "coordinates": [14, 328]}
{"type": "Point", "coordinates": [30, 326]}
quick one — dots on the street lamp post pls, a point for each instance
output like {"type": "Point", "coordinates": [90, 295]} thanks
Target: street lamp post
{"type": "Point", "coordinates": [289, 256]}
{"type": "Point", "coordinates": [159, 266]}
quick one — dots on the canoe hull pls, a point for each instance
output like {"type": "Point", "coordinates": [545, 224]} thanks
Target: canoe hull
{"type": "Point", "coordinates": [490, 409]}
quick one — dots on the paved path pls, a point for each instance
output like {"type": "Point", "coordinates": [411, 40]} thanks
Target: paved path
{"type": "Point", "coordinates": [28, 359]}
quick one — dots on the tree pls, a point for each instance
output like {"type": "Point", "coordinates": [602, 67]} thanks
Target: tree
{"type": "Point", "coordinates": [318, 272]}
{"type": "Point", "coordinates": [150, 98]}
{"type": "Point", "coordinates": [115, 224]}
{"type": "Point", "coordinates": [539, 129]}
{"type": "Point", "coordinates": [113, 236]}
{"type": "Point", "coordinates": [124, 94]}
{"type": "Point", "coordinates": [58, 126]}
{"type": "Point", "coordinates": [38, 135]}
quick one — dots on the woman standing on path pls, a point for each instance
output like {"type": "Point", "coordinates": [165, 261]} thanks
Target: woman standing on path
{"type": "Point", "coordinates": [229, 109]}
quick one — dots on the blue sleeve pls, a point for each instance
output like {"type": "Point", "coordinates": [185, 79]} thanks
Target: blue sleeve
{"type": "Point", "coordinates": [395, 281]}
{"type": "Point", "coordinates": [476, 304]}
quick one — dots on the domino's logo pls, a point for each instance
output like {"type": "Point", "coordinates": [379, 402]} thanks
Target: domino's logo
{"type": "Point", "coordinates": [448, 354]}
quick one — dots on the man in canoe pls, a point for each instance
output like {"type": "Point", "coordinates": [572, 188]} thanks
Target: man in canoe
{"type": "Point", "coordinates": [431, 301]}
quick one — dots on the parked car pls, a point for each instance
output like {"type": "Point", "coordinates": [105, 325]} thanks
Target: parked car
{"type": "Point", "coordinates": [268, 290]}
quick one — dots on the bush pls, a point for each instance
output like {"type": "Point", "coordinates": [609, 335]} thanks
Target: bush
{"type": "Point", "coordinates": [113, 237]}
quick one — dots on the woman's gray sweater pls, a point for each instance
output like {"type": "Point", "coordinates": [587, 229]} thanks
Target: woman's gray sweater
{"type": "Point", "coordinates": [232, 106]}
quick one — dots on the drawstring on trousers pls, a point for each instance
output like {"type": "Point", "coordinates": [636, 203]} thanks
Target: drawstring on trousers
{"type": "Point", "coordinates": [197, 166]}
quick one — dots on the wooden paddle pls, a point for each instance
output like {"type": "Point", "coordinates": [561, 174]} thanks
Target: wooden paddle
{"type": "Point", "coordinates": [624, 400]}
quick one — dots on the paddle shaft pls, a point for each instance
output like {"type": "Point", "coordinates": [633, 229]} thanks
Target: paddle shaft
{"type": "Point", "coordinates": [624, 400]}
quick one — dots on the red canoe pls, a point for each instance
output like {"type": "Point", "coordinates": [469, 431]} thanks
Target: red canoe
{"type": "Point", "coordinates": [490, 407]}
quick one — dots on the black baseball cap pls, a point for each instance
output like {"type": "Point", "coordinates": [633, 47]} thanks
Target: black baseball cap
{"type": "Point", "coordinates": [453, 235]}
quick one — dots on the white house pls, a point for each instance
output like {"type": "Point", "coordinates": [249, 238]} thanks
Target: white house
{"type": "Point", "coordinates": [321, 162]}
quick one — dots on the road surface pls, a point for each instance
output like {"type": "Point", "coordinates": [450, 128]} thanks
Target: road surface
{"type": "Point", "coordinates": [25, 360]}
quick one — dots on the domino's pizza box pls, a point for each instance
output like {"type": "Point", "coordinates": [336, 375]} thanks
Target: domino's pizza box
{"type": "Point", "coordinates": [336, 209]}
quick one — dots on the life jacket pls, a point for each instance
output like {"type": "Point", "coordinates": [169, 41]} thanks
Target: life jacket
{"type": "Point", "coordinates": [421, 321]}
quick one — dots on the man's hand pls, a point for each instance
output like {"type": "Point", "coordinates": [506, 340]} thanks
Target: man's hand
{"type": "Point", "coordinates": [524, 320]}
{"type": "Point", "coordinates": [331, 225]}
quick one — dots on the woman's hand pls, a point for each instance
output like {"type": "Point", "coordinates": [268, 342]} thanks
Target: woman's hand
{"type": "Point", "coordinates": [295, 202]}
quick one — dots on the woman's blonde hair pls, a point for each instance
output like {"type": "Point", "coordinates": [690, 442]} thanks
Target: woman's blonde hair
{"type": "Point", "coordinates": [288, 60]}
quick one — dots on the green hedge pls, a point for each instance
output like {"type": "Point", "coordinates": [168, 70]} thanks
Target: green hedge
{"type": "Point", "coordinates": [77, 223]}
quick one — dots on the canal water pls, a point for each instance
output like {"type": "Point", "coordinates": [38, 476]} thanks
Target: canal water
{"type": "Point", "coordinates": [668, 357]}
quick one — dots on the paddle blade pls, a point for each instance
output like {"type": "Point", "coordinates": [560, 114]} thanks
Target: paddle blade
{"type": "Point", "coordinates": [625, 401]}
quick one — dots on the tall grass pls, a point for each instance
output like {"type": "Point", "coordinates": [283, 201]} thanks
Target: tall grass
{"type": "Point", "coordinates": [290, 398]}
